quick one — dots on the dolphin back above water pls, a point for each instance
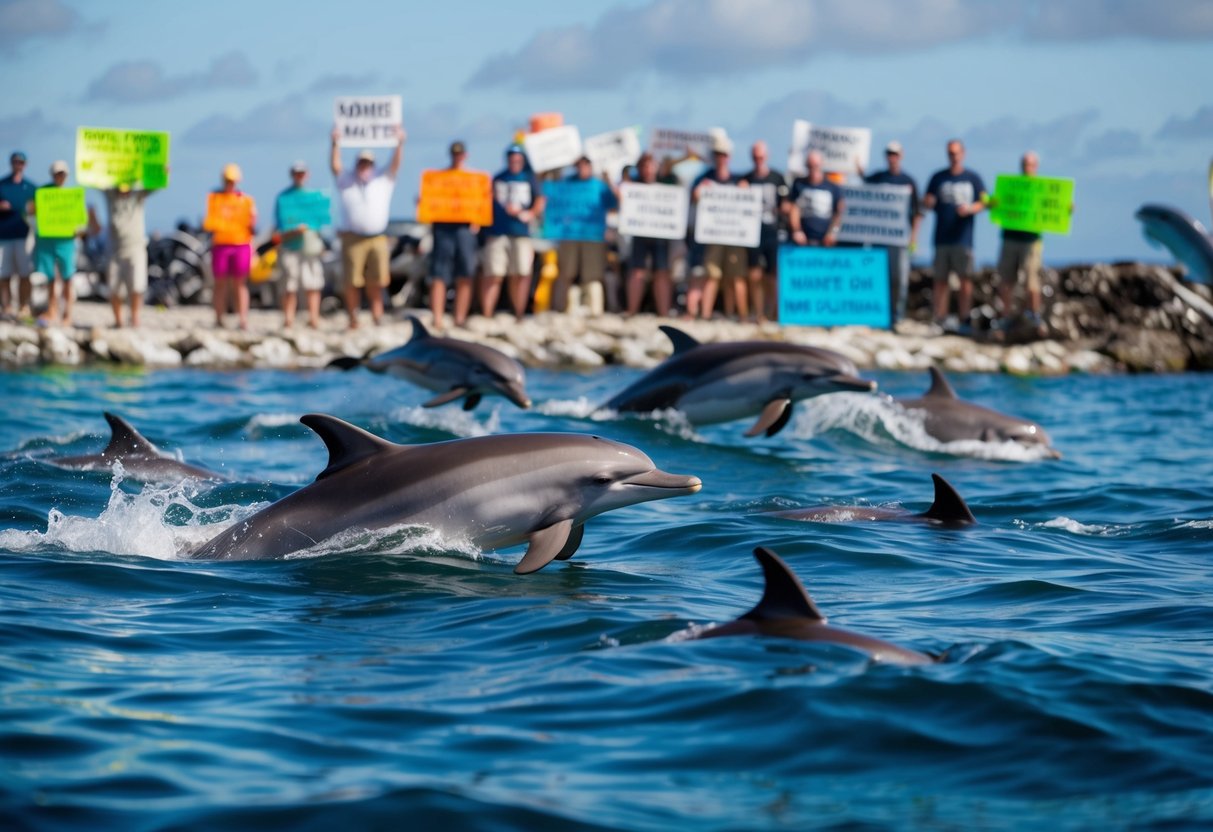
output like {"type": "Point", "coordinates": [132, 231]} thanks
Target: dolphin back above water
{"type": "Point", "coordinates": [723, 382]}
{"type": "Point", "coordinates": [1180, 234]}
{"type": "Point", "coordinates": [139, 458]}
{"type": "Point", "coordinates": [454, 369]}
{"type": "Point", "coordinates": [787, 611]}
{"type": "Point", "coordinates": [949, 509]}
{"type": "Point", "coordinates": [493, 491]}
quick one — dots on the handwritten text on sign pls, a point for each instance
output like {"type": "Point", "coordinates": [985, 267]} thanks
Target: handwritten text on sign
{"type": "Point", "coordinates": [574, 210]}
{"type": "Point", "coordinates": [878, 214]}
{"type": "Point", "coordinates": [658, 211]}
{"type": "Point", "coordinates": [301, 206]}
{"type": "Point", "coordinates": [553, 149]}
{"type": "Point", "coordinates": [842, 148]}
{"type": "Point", "coordinates": [1032, 203]}
{"type": "Point", "coordinates": [367, 120]}
{"type": "Point", "coordinates": [729, 215]}
{"type": "Point", "coordinates": [464, 196]}
{"type": "Point", "coordinates": [61, 211]}
{"type": "Point", "coordinates": [108, 158]}
{"type": "Point", "coordinates": [611, 152]}
{"type": "Point", "coordinates": [833, 286]}
{"type": "Point", "coordinates": [677, 143]}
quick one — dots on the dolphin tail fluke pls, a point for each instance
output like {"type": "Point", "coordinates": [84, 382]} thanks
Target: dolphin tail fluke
{"type": "Point", "coordinates": [784, 595]}
{"type": "Point", "coordinates": [449, 396]}
{"type": "Point", "coordinates": [345, 362]}
{"type": "Point", "coordinates": [773, 418]}
{"type": "Point", "coordinates": [547, 544]}
{"type": "Point", "coordinates": [949, 507]}
{"type": "Point", "coordinates": [125, 440]}
{"type": "Point", "coordinates": [681, 341]}
{"type": "Point", "coordinates": [471, 401]}
{"type": "Point", "coordinates": [940, 387]}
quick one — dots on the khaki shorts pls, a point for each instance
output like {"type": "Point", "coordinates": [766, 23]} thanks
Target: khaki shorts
{"type": "Point", "coordinates": [128, 273]}
{"type": "Point", "coordinates": [582, 257]}
{"type": "Point", "coordinates": [509, 255]}
{"type": "Point", "coordinates": [364, 259]}
{"type": "Point", "coordinates": [730, 262]}
{"type": "Point", "coordinates": [1020, 257]}
{"type": "Point", "coordinates": [953, 260]}
{"type": "Point", "coordinates": [300, 271]}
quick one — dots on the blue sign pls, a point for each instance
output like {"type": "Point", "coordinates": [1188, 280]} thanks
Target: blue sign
{"type": "Point", "coordinates": [833, 286]}
{"type": "Point", "coordinates": [576, 209]}
{"type": "Point", "coordinates": [301, 206]}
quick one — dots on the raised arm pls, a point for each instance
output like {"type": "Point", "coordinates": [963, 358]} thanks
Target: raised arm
{"type": "Point", "coordinates": [393, 167]}
{"type": "Point", "coordinates": [335, 154]}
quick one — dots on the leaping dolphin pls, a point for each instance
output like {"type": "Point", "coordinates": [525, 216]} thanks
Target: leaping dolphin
{"type": "Point", "coordinates": [949, 509]}
{"type": "Point", "coordinates": [787, 611]}
{"type": "Point", "coordinates": [1180, 234]}
{"type": "Point", "coordinates": [493, 491]}
{"type": "Point", "coordinates": [454, 369]}
{"type": "Point", "coordinates": [949, 419]}
{"type": "Point", "coordinates": [139, 458]}
{"type": "Point", "coordinates": [722, 382]}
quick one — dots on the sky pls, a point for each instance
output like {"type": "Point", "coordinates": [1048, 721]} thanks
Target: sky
{"type": "Point", "coordinates": [1116, 94]}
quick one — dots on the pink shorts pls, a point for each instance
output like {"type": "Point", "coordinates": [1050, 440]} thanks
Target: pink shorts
{"type": "Point", "coordinates": [231, 261]}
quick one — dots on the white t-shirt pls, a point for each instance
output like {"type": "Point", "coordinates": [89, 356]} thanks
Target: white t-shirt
{"type": "Point", "coordinates": [365, 207]}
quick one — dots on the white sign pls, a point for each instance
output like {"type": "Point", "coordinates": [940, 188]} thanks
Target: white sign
{"type": "Point", "coordinates": [611, 152]}
{"type": "Point", "coordinates": [842, 148]}
{"type": "Point", "coordinates": [652, 211]}
{"type": "Point", "coordinates": [552, 149]}
{"type": "Point", "coordinates": [367, 120]}
{"type": "Point", "coordinates": [877, 214]}
{"type": "Point", "coordinates": [678, 143]}
{"type": "Point", "coordinates": [729, 215]}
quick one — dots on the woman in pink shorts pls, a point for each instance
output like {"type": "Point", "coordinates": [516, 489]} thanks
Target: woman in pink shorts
{"type": "Point", "coordinates": [231, 216]}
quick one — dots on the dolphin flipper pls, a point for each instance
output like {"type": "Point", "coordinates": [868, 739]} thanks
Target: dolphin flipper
{"type": "Point", "coordinates": [448, 396]}
{"type": "Point", "coordinates": [784, 595]}
{"type": "Point", "coordinates": [949, 507]}
{"type": "Point", "coordinates": [773, 419]}
{"type": "Point", "coordinates": [546, 545]}
{"type": "Point", "coordinates": [574, 542]}
{"type": "Point", "coordinates": [347, 444]}
{"type": "Point", "coordinates": [471, 401]}
{"type": "Point", "coordinates": [125, 440]}
{"type": "Point", "coordinates": [681, 341]}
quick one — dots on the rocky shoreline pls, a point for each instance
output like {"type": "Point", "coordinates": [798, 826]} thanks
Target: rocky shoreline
{"type": "Point", "coordinates": [1101, 319]}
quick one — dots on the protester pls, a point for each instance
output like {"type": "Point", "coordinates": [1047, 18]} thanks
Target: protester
{"type": "Point", "coordinates": [763, 260]}
{"type": "Point", "coordinates": [299, 256]}
{"type": "Point", "coordinates": [231, 218]}
{"type": "Point", "coordinates": [366, 204]}
{"type": "Point", "coordinates": [55, 257]}
{"type": "Point", "coordinates": [899, 256]}
{"type": "Point", "coordinates": [650, 255]}
{"type": "Point", "coordinates": [127, 247]}
{"type": "Point", "coordinates": [509, 251]}
{"type": "Point", "coordinates": [721, 263]}
{"type": "Point", "coordinates": [16, 193]}
{"type": "Point", "coordinates": [585, 258]}
{"type": "Point", "coordinates": [1021, 256]}
{"type": "Point", "coordinates": [453, 257]}
{"type": "Point", "coordinates": [956, 195]}
{"type": "Point", "coordinates": [814, 206]}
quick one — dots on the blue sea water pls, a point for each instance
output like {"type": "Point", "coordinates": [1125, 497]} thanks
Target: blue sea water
{"type": "Point", "coordinates": [403, 681]}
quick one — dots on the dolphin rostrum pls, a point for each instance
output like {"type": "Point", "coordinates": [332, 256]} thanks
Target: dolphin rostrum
{"type": "Point", "coordinates": [1180, 234]}
{"type": "Point", "coordinates": [787, 611]}
{"type": "Point", "coordinates": [454, 369]}
{"type": "Point", "coordinates": [139, 458]}
{"type": "Point", "coordinates": [949, 419]}
{"type": "Point", "coordinates": [722, 382]}
{"type": "Point", "coordinates": [949, 509]}
{"type": "Point", "coordinates": [493, 491]}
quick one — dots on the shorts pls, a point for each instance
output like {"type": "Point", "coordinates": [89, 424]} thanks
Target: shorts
{"type": "Point", "coordinates": [231, 261]}
{"type": "Point", "coordinates": [15, 258]}
{"type": "Point", "coordinates": [951, 260]}
{"type": "Point", "coordinates": [364, 260]}
{"type": "Point", "coordinates": [1021, 257]}
{"type": "Point", "coordinates": [728, 262]}
{"type": "Point", "coordinates": [582, 257]}
{"type": "Point", "coordinates": [454, 253]}
{"type": "Point", "coordinates": [52, 252]}
{"type": "Point", "coordinates": [766, 254]}
{"type": "Point", "coordinates": [509, 255]}
{"type": "Point", "coordinates": [650, 253]}
{"type": "Point", "coordinates": [128, 273]}
{"type": "Point", "coordinates": [300, 271]}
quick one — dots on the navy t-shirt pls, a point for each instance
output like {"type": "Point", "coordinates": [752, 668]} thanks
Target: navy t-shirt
{"type": "Point", "coordinates": [886, 177]}
{"type": "Point", "coordinates": [774, 191]}
{"type": "Point", "coordinates": [12, 222]}
{"type": "Point", "coordinates": [816, 204]}
{"type": "Point", "coordinates": [517, 189]}
{"type": "Point", "coordinates": [952, 190]}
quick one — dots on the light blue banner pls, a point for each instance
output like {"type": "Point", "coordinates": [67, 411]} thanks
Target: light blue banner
{"type": "Point", "coordinates": [833, 286]}
{"type": "Point", "coordinates": [301, 206]}
{"type": "Point", "coordinates": [575, 210]}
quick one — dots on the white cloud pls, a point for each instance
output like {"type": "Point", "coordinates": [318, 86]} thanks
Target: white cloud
{"type": "Point", "coordinates": [137, 82]}
{"type": "Point", "coordinates": [285, 120]}
{"type": "Point", "coordinates": [1098, 19]}
{"type": "Point", "coordinates": [1199, 125]}
{"type": "Point", "coordinates": [1114, 144]}
{"type": "Point", "coordinates": [22, 20]}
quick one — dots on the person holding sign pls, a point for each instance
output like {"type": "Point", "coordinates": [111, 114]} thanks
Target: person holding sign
{"type": "Point", "coordinates": [899, 256]}
{"type": "Point", "coordinates": [127, 247]}
{"type": "Point", "coordinates": [956, 195]}
{"type": "Point", "coordinates": [453, 257]}
{"type": "Point", "coordinates": [16, 193]}
{"type": "Point", "coordinates": [509, 252]}
{"type": "Point", "coordinates": [720, 262]}
{"type": "Point", "coordinates": [763, 259]}
{"type": "Point", "coordinates": [814, 206]}
{"type": "Point", "coordinates": [231, 217]}
{"type": "Point", "coordinates": [583, 256]}
{"type": "Point", "coordinates": [1021, 255]}
{"type": "Point", "coordinates": [59, 221]}
{"type": "Point", "coordinates": [650, 254]}
{"type": "Point", "coordinates": [299, 213]}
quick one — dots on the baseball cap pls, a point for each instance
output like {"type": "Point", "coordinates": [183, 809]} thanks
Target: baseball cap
{"type": "Point", "coordinates": [722, 145]}
{"type": "Point", "coordinates": [231, 172]}
{"type": "Point", "coordinates": [59, 166]}
{"type": "Point", "coordinates": [17, 156]}
{"type": "Point", "coordinates": [893, 147]}
{"type": "Point", "coordinates": [299, 166]}
{"type": "Point", "coordinates": [514, 148]}
{"type": "Point", "coordinates": [458, 147]}
{"type": "Point", "coordinates": [366, 156]}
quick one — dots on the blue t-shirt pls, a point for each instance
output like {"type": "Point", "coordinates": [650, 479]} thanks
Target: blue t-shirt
{"type": "Point", "coordinates": [606, 197]}
{"type": "Point", "coordinates": [885, 177]}
{"type": "Point", "coordinates": [816, 204]}
{"type": "Point", "coordinates": [516, 189]}
{"type": "Point", "coordinates": [12, 222]}
{"type": "Point", "coordinates": [951, 190]}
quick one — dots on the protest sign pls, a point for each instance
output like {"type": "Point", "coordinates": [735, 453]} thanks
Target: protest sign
{"type": "Point", "coordinates": [842, 148]}
{"type": "Point", "coordinates": [302, 206]}
{"type": "Point", "coordinates": [60, 211]}
{"type": "Point", "coordinates": [729, 215]}
{"type": "Point", "coordinates": [878, 214]}
{"type": "Point", "coordinates": [228, 216]}
{"type": "Point", "coordinates": [611, 152]}
{"type": "Point", "coordinates": [574, 210]}
{"type": "Point", "coordinates": [833, 286]}
{"type": "Point", "coordinates": [455, 196]}
{"type": "Point", "coordinates": [367, 120]}
{"type": "Point", "coordinates": [552, 149]}
{"type": "Point", "coordinates": [677, 143]}
{"type": "Point", "coordinates": [652, 211]}
{"type": "Point", "coordinates": [1032, 203]}
{"type": "Point", "coordinates": [107, 158]}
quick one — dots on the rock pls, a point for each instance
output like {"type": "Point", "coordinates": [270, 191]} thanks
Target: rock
{"type": "Point", "coordinates": [1141, 350]}
{"type": "Point", "coordinates": [273, 352]}
{"type": "Point", "coordinates": [58, 348]}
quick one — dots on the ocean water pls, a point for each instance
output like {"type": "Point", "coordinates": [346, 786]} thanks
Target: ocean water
{"type": "Point", "coordinates": [399, 680]}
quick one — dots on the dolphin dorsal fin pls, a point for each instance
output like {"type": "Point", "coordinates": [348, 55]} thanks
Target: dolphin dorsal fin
{"type": "Point", "coordinates": [125, 440]}
{"type": "Point", "coordinates": [784, 595]}
{"type": "Point", "coordinates": [347, 444]}
{"type": "Point", "coordinates": [419, 330]}
{"type": "Point", "coordinates": [940, 388]}
{"type": "Point", "coordinates": [681, 341]}
{"type": "Point", "coordinates": [949, 507]}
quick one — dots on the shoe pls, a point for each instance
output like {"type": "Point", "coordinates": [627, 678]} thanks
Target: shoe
{"type": "Point", "coordinates": [965, 329]}
{"type": "Point", "coordinates": [949, 324]}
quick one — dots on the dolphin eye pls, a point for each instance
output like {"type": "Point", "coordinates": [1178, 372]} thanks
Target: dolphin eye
{"type": "Point", "coordinates": [602, 479]}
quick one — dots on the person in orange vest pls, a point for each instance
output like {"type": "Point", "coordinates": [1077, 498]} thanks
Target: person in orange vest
{"type": "Point", "coordinates": [231, 217]}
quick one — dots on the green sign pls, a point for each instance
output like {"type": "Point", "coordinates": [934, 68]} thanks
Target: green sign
{"type": "Point", "coordinates": [60, 211]}
{"type": "Point", "coordinates": [1032, 203]}
{"type": "Point", "coordinates": [108, 158]}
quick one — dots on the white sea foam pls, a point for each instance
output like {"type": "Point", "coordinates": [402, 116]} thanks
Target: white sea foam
{"type": "Point", "coordinates": [1075, 527]}
{"type": "Point", "coordinates": [452, 420]}
{"type": "Point", "coordinates": [271, 420]}
{"type": "Point", "coordinates": [579, 408]}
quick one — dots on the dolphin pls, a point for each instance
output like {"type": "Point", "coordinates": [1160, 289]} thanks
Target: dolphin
{"type": "Point", "coordinates": [139, 458]}
{"type": "Point", "coordinates": [1180, 234]}
{"type": "Point", "coordinates": [949, 419]}
{"type": "Point", "coordinates": [949, 509]}
{"type": "Point", "coordinates": [493, 491]}
{"type": "Point", "coordinates": [787, 611]}
{"type": "Point", "coordinates": [454, 369]}
{"type": "Point", "coordinates": [712, 383]}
